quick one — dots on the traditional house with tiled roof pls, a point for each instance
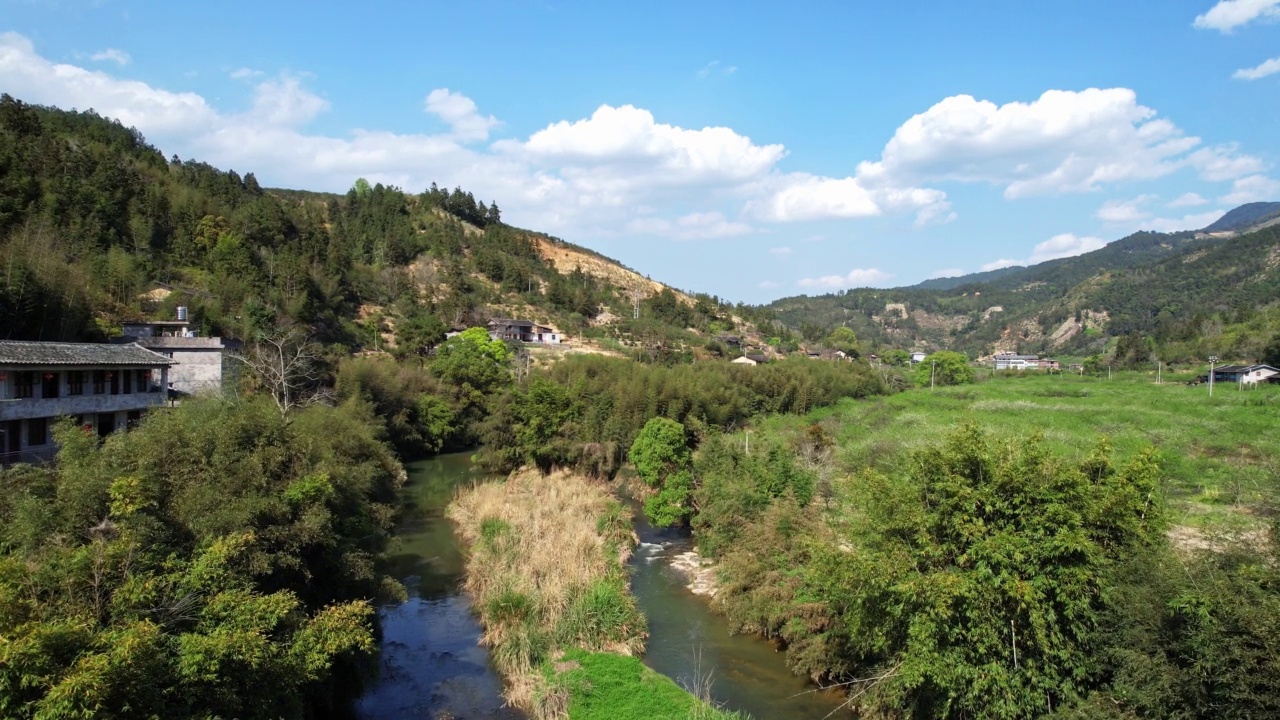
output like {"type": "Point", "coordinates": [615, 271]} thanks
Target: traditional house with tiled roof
{"type": "Point", "coordinates": [102, 387]}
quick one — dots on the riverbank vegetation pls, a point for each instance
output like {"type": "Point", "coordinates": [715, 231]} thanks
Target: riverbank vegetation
{"type": "Point", "coordinates": [547, 574]}
{"type": "Point", "coordinates": [1019, 567]}
{"type": "Point", "coordinates": [216, 561]}
{"type": "Point", "coordinates": [585, 412]}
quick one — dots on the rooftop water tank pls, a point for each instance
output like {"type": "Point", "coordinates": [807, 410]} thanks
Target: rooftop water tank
{"type": "Point", "coordinates": [182, 313]}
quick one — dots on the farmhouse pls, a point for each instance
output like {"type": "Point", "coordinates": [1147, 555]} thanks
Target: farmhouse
{"type": "Point", "coordinates": [1248, 374]}
{"type": "Point", "coordinates": [201, 364]}
{"type": "Point", "coordinates": [102, 387]}
{"type": "Point", "coordinates": [524, 331]}
{"type": "Point", "coordinates": [751, 359]}
{"type": "Point", "coordinates": [918, 357]}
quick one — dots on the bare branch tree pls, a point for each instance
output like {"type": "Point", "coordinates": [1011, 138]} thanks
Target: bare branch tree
{"type": "Point", "coordinates": [286, 365]}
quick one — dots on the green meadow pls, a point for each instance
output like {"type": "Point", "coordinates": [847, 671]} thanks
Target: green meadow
{"type": "Point", "coordinates": [1219, 455]}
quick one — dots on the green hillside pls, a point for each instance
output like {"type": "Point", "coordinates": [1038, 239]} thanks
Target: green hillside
{"type": "Point", "coordinates": [98, 227]}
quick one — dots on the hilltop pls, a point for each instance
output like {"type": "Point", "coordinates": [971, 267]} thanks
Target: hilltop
{"type": "Point", "coordinates": [99, 228]}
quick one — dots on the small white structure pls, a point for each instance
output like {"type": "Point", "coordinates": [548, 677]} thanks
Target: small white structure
{"type": "Point", "coordinates": [918, 357]}
{"type": "Point", "coordinates": [102, 387]}
{"type": "Point", "coordinates": [751, 359]}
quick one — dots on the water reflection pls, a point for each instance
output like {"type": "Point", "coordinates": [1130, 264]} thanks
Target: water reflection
{"type": "Point", "coordinates": [431, 664]}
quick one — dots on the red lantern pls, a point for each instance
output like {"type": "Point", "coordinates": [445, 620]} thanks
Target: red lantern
{"type": "Point", "coordinates": [110, 375]}
{"type": "Point", "coordinates": [48, 376]}
{"type": "Point", "coordinates": [4, 376]}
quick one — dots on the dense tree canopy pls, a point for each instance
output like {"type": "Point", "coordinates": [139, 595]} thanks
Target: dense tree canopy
{"type": "Point", "coordinates": [217, 561]}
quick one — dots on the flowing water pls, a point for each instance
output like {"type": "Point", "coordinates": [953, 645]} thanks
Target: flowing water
{"type": "Point", "coordinates": [687, 640]}
{"type": "Point", "coordinates": [432, 665]}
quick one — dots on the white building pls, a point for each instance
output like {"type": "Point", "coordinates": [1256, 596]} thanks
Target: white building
{"type": "Point", "coordinates": [918, 357]}
{"type": "Point", "coordinates": [524, 331]}
{"type": "Point", "coordinates": [1246, 374]}
{"type": "Point", "coordinates": [1012, 361]}
{"type": "Point", "coordinates": [102, 387]}
{"type": "Point", "coordinates": [201, 364]}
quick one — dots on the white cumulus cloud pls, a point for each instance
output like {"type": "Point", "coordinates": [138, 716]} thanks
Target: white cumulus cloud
{"type": "Point", "coordinates": [858, 277]}
{"type": "Point", "coordinates": [1269, 67]}
{"type": "Point", "coordinates": [461, 113]}
{"type": "Point", "coordinates": [1064, 246]}
{"type": "Point", "coordinates": [1254, 188]}
{"type": "Point", "coordinates": [1228, 15]}
{"type": "Point", "coordinates": [119, 57]}
{"type": "Point", "coordinates": [1064, 141]}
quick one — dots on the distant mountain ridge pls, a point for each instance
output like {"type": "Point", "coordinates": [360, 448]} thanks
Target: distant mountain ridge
{"type": "Point", "coordinates": [1151, 283]}
{"type": "Point", "coordinates": [1246, 217]}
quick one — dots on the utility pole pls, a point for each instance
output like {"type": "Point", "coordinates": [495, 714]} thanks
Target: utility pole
{"type": "Point", "coordinates": [933, 369]}
{"type": "Point", "coordinates": [1108, 372]}
{"type": "Point", "coordinates": [1159, 372]}
{"type": "Point", "coordinates": [748, 450]}
{"type": "Point", "coordinates": [1212, 359]}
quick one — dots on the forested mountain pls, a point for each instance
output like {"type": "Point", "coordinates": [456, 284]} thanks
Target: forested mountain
{"type": "Point", "coordinates": [97, 227]}
{"type": "Point", "coordinates": [1169, 288]}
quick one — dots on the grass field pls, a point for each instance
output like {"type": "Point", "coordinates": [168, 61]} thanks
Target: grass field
{"type": "Point", "coordinates": [1219, 455]}
{"type": "Point", "coordinates": [604, 686]}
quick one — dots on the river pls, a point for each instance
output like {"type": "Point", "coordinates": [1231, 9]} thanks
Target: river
{"type": "Point", "coordinates": [432, 665]}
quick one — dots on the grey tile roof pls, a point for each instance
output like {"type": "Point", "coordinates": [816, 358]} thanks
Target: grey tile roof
{"type": "Point", "coordinates": [19, 352]}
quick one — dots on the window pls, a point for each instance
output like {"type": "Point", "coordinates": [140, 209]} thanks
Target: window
{"type": "Point", "coordinates": [75, 382]}
{"type": "Point", "coordinates": [50, 385]}
{"type": "Point", "coordinates": [37, 432]}
{"type": "Point", "coordinates": [24, 384]}
{"type": "Point", "coordinates": [126, 381]}
{"type": "Point", "coordinates": [144, 378]}
{"type": "Point", "coordinates": [99, 382]}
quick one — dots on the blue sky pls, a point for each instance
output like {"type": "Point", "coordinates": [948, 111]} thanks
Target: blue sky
{"type": "Point", "coordinates": [751, 150]}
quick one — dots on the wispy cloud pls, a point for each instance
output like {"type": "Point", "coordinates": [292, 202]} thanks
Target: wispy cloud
{"type": "Point", "coordinates": [245, 73]}
{"type": "Point", "coordinates": [1188, 200]}
{"type": "Point", "coordinates": [1228, 15]}
{"type": "Point", "coordinates": [1270, 67]}
{"type": "Point", "coordinates": [114, 55]}
{"type": "Point", "coordinates": [715, 67]}
{"type": "Point", "coordinates": [780, 251]}
{"type": "Point", "coordinates": [858, 277]}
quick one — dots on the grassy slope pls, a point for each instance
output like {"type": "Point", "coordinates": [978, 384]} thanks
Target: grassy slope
{"type": "Point", "coordinates": [1217, 454]}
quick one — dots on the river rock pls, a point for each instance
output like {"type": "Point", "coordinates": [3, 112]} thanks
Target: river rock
{"type": "Point", "coordinates": [698, 571]}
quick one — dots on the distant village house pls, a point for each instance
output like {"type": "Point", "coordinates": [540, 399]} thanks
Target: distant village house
{"type": "Point", "coordinates": [524, 331]}
{"type": "Point", "coordinates": [751, 359]}
{"type": "Point", "coordinates": [1013, 361]}
{"type": "Point", "coordinates": [1246, 374]}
